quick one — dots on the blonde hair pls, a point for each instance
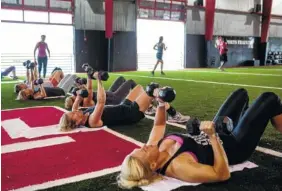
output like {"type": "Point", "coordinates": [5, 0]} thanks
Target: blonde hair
{"type": "Point", "coordinates": [66, 124]}
{"type": "Point", "coordinates": [22, 95]}
{"type": "Point", "coordinates": [68, 102]}
{"type": "Point", "coordinates": [135, 173]}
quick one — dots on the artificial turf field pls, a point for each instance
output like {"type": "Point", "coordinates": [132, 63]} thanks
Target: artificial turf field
{"type": "Point", "coordinates": [200, 92]}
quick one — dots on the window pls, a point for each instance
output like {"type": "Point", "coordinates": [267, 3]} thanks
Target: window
{"type": "Point", "coordinates": [35, 16]}
{"type": "Point", "coordinates": [11, 15]}
{"type": "Point", "coordinates": [60, 18]}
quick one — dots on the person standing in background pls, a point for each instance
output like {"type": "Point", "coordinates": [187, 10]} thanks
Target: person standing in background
{"type": "Point", "coordinates": [160, 47]}
{"type": "Point", "coordinates": [42, 59]}
{"type": "Point", "coordinates": [221, 45]}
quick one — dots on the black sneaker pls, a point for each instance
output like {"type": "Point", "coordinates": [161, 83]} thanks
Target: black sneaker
{"type": "Point", "coordinates": [153, 73]}
{"type": "Point", "coordinates": [162, 73]}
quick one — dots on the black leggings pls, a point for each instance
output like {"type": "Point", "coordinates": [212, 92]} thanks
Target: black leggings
{"type": "Point", "coordinates": [117, 83]}
{"type": "Point", "coordinates": [114, 98]}
{"type": "Point", "coordinates": [249, 123]}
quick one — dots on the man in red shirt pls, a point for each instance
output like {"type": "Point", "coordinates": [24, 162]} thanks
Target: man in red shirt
{"type": "Point", "coordinates": [222, 47]}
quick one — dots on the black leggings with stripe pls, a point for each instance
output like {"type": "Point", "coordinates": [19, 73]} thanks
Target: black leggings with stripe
{"type": "Point", "coordinates": [249, 122]}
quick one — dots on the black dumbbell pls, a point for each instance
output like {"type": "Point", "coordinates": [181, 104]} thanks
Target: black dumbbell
{"type": "Point", "coordinates": [81, 81]}
{"type": "Point", "coordinates": [83, 93]}
{"type": "Point", "coordinates": [38, 81]}
{"type": "Point", "coordinates": [151, 88]}
{"type": "Point", "coordinates": [167, 94]}
{"type": "Point", "coordinates": [223, 124]}
{"type": "Point", "coordinates": [104, 76]}
{"type": "Point", "coordinates": [74, 90]}
{"type": "Point", "coordinates": [193, 126]}
{"type": "Point", "coordinates": [26, 63]}
{"type": "Point", "coordinates": [31, 65]}
{"type": "Point", "coordinates": [77, 80]}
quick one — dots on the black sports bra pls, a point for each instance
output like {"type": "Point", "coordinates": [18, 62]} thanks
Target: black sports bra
{"type": "Point", "coordinates": [198, 145]}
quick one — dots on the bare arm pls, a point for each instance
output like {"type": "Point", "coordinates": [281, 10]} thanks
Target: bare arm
{"type": "Point", "coordinates": [204, 173]}
{"type": "Point", "coordinates": [35, 71]}
{"type": "Point", "coordinates": [76, 103]}
{"type": "Point", "coordinates": [165, 47]}
{"type": "Point", "coordinates": [27, 76]}
{"type": "Point", "coordinates": [155, 47]}
{"type": "Point", "coordinates": [42, 93]}
{"type": "Point", "coordinates": [95, 117]}
{"type": "Point", "coordinates": [35, 48]}
{"type": "Point", "coordinates": [31, 79]}
{"type": "Point", "coordinates": [89, 89]}
{"type": "Point", "coordinates": [48, 49]}
{"type": "Point", "coordinates": [158, 130]}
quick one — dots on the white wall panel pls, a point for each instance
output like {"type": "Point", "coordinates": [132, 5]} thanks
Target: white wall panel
{"type": "Point", "coordinates": [276, 7]}
{"type": "Point", "coordinates": [236, 24]}
{"type": "Point", "coordinates": [195, 21]}
{"type": "Point", "coordinates": [124, 16]}
{"type": "Point", "coordinates": [275, 28]}
{"type": "Point", "coordinates": [239, 5]}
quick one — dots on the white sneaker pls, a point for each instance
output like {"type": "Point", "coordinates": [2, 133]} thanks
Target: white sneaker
{"type": "Point", "coordinates": [178, 118]}
{"type": "Point", "coordinates": [151, 111]}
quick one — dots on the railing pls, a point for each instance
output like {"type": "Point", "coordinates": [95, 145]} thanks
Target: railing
{"type": "Point", "coordinates": [64, 61]}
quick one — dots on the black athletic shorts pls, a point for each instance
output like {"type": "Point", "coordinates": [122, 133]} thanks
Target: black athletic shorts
{"type": "Point", "coordinates": [223, 57]}
{"type": "Point", "coordinates": [123, 114]}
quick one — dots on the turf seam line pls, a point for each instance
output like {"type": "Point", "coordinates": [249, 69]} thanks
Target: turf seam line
{"type": "Point", "coordinates": [233, 73]}
{"type": "Point", "coordinates": [199, 81]}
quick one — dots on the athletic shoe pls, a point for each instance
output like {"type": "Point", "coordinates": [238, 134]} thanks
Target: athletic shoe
{"type": "Point", "coordinates": [178, 118]}
{"type": "Point", "coordinates": [162, 73]}
{"type": "Point", "coordinates": [151, 111]}
{"type": "Point", "coordinates": [153, 73]}
{"type": "Point", "coordinates": [221, 69]}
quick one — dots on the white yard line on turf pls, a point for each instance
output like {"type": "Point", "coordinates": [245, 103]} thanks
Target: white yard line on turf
{"type": "Point", "coordinates": [199, 81]}
{"type": "Point", "coordinates": [233, 73]}
{"type": "Point", "coordinates": [260, 149]}
{"type": "Point", "coordinates": [11, 82]}
{"type": "Point", "coordinates": [266, 69]}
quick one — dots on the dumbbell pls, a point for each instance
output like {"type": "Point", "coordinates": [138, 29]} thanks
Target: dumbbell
{"type": "Point", "coordinates": [38, 81]}
{"type": "Point", "coordinates": [29, 65]}
{"type": "Point", "coordinates": [81, 81]}
{"type": "Point", "coordinates": [83, 93]}
{"type": "Point", "coordinates": [26, 63]}
{"type": "Point", "coordinates": [223, 124]}
{"type": "Point", "coordinates": [166, 94]}
{"type": "Point", "coordinates": [104, 76]}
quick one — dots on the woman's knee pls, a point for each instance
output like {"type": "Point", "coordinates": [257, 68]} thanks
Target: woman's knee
{"type": "Point", "coordinates": [270, 96]}
{"type": "Point", "coordinates": [132, 83]}
{"type": "Point", "coordinates": [121, 78]}
{"type": "Point", "coordinates": [241, 92]}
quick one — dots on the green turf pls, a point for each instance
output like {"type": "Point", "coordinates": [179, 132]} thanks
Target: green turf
{"type": "Point", "coordinates": [195, 99]}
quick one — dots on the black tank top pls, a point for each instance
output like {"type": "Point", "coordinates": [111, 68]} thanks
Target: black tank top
{"type": "Point", "coordinates": [199, 145]}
